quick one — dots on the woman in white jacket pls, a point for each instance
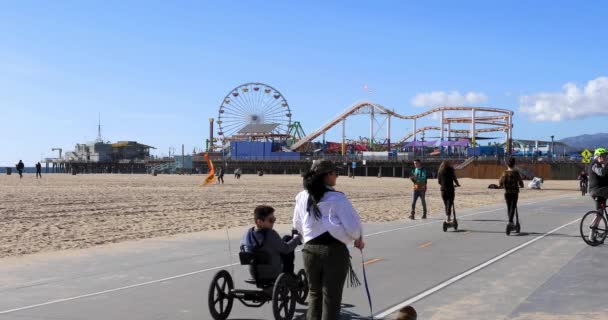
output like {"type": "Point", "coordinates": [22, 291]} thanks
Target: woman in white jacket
{"type": "Point", "coordinates": [327, 222]}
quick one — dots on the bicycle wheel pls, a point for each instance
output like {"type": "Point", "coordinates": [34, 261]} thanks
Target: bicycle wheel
{"type": "Point", "coordinates": [593, 228]}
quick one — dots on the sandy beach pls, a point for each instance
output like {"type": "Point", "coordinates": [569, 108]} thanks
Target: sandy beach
{"type": "Point", "coordinates": [64, 212]}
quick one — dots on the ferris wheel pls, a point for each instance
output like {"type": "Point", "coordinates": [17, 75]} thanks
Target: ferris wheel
{"type": "Point", "coordinates": [253, 104]}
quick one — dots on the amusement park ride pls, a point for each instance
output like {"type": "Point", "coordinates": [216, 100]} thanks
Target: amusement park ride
{"type": "Point", "coordinates": [259, 112]}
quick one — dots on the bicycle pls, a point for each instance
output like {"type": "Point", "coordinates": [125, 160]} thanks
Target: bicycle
{"type": "Point", "coordinates": [583, 186]}
{"type": "Point", "coordinates": [594, 227]}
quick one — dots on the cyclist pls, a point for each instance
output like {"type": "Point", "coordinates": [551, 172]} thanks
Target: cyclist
{"type": "Point", "coordinates": [598, 176]}
{"type": "Point", "coordinates": [583, 179]}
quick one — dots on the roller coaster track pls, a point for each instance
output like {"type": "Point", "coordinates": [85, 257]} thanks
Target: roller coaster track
{"type": "Point", "coordinates": [362, 107]}
{"type": "Point", "coordinates": [452, 130]}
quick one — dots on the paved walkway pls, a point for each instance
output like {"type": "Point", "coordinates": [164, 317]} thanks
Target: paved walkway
{"type": "Point", "coordinates": [476, 273]}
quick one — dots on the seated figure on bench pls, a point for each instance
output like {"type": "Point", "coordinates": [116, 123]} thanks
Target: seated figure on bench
{"type": "Point", "coordinates": [263, 240]}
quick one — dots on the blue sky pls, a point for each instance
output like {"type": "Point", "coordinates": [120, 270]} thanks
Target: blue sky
{"type": "Point", "coordinates": [157, 70]}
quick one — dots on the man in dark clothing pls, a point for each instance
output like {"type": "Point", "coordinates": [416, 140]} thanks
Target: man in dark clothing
{"type": "Point", "coordinates": [263, 237]}
{"type": "Point", "coordinates": [20, 167]}
{"type": "Point", "coordinates": [511, 181]}
{"type": "Point", "coordinates": [598, 175]}
{"type": "Point", "coordinates": [38, 170]}
{"type": "Point", "coordinates": [447, 179]}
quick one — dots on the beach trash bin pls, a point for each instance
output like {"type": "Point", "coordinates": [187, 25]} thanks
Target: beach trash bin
{"type": "Point", "coordinates": [9, 170]}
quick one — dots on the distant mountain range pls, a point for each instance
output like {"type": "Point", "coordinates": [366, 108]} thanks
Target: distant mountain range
{"type": "Point", "coordinates": [586, 141]}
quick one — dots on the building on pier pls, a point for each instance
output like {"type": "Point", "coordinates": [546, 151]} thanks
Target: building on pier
{"type": "Point", "coordinates": [103, 157]}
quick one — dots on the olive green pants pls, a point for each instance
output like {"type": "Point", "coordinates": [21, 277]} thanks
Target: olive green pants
{"type": "Point", "coordinates": [326, 267]}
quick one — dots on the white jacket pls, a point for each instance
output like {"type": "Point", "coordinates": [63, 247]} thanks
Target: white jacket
{"type": "Point", "coordinates": [338, 217]}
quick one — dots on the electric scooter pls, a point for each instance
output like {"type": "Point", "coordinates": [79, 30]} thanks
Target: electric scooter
{"type": "Point", "coordinates": [514, 227]}
{"type": "Point", "coordinates": [453, 223]}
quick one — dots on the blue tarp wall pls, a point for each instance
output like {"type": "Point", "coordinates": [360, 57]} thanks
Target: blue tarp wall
{"type": "Point", "coordinates": [253, 150]}
{"type": "Point", "coordinates": [486, 151]}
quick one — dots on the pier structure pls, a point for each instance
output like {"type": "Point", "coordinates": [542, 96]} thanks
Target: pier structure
{"type": "Point", "coordinates": [102, 157]}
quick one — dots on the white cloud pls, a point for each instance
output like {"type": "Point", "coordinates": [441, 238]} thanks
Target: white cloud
{"type": "Point", "coordinates": [453, 98]}
{"type": "Point", "coordinates": [571, 103]}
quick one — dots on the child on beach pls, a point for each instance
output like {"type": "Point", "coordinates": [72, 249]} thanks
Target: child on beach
{"type": "Point", "coordinates": [220, 175]}
{"type": "Point", "coordinates": [264, 238]}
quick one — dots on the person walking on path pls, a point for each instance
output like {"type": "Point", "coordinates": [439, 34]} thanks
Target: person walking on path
{"type": "Point", "coordinates": [418, 177]}
{"type": "Point", "coordinates": [20, 166]}
{"type": "Point", "coordinates": [511, 181]}
{"type": "Point", "coordinates": [328, 223]}
{"type": "Point", "coordinates": [38, 170]}
{"type": "Point", "coordinates": [446, 176]}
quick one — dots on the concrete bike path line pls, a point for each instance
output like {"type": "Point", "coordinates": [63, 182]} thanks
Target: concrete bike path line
{"type": "Point", "coordinates": [467, 273]}
{"type": "Point", "coordinates": [168, 293]}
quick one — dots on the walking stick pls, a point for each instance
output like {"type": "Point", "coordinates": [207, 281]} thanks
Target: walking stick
{"type": "Point", "coordinates": [369, 297]}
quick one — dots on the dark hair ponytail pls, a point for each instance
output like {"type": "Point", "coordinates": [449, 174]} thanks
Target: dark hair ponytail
{"type": "Point", "coordinates": [511, 162]}
{"type": "Point", "coordinates": [314, 183]}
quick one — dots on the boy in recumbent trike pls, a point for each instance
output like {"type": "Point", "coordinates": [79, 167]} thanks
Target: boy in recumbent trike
{"type": "Point", "coordinates": [271, 264]}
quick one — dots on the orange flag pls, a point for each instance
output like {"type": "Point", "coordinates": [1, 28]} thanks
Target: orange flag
{"type": "Point", "coordinates": [211, 176]}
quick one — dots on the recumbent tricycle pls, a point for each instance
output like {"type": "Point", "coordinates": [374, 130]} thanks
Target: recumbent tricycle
{"type": "Point", "coordinates": [282, 292]}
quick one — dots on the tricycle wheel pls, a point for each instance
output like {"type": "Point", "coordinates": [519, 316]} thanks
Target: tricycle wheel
{"type": "Point", "coordinates": [301, 287]}
{"type": "Point", "coordinates": [283, 298]}
{"type": "Point", "coordinates": [219, 298]}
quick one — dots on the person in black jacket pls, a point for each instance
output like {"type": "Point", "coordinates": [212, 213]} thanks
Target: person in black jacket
{"type": "Point", "coordinates": [38, 170]}
{"type": "Point", "coordinates": [511, 181]}
{"type": "Point", "coordinates": [598, 175]}
{"type": "Point", "coordinates": [446, 176]}
{"type": "Point", "coordinates": [20, 166]}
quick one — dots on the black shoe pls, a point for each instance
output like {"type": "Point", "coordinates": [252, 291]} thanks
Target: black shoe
{"type": "Point", "coordinates": [412, 216]}
{"type": "Point", "coordinates": [424, 216]}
